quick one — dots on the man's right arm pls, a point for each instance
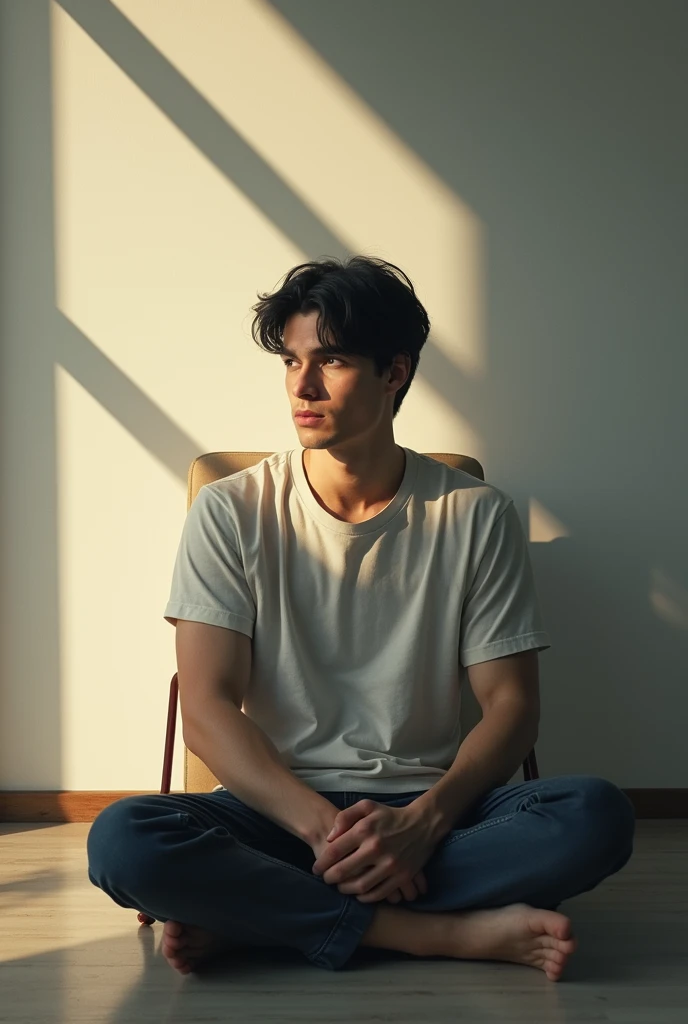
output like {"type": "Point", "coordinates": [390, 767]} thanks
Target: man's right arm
{"type": "Point", "coordinates": [213, 669]}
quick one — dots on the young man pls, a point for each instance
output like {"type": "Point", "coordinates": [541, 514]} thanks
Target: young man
{"type": "Point", "coordinates": [329, 603]}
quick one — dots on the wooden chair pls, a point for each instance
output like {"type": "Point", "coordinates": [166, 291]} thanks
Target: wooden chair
{"type": "Point", "coordinates": [204, 470]}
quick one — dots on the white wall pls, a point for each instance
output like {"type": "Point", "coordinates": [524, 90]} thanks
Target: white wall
{"type": "Point", "coordinates": [160, 164]}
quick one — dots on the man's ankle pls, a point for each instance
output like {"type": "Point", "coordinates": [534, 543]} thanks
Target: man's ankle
{"type": "Point", "coordinates": [420, 934]}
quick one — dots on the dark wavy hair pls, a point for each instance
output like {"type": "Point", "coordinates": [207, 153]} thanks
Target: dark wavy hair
{"type": "Point", "coordinates": [366, 307]}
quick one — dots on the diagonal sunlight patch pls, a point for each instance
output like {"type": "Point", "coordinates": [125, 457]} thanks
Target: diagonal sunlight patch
{"type": "Point", "coordinates": [543, 525]}
{"type": "Point", "coordinates": [668, 598]}
{"type": "Point", "coordinates": [158, 255]}
{"type": "Point", "coordinates": [334, 151]}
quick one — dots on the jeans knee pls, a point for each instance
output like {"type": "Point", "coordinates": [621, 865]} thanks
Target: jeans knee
{"type": "Point", "coordinates": [110, 844]}
{"type": "Point", "coordinates": [611, 818]}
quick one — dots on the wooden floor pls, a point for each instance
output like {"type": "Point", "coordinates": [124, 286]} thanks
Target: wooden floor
{"type": "Point", "coordinates": [69, 955]}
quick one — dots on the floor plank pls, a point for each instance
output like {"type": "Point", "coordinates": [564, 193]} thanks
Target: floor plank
{"type": "Point", "coordinates": [69, 955]}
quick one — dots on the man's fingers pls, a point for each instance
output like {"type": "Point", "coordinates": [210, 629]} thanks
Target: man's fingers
{"type": "Point", "coordinates": [409, 890]}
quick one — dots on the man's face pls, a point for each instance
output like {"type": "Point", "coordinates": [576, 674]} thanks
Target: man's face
{"type": "Point", "coordinates": [343, 388]}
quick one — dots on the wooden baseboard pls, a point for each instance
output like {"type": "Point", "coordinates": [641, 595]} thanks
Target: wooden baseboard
{"type": "Point", "coordinates": [659, 803]}
{"type": "Point", "coordinates": [60, 805]}
{"type": "Point", "coordinates": [72, 805]}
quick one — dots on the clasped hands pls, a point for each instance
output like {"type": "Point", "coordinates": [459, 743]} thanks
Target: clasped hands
{"type": "Point", "coordinates": [374, 851]}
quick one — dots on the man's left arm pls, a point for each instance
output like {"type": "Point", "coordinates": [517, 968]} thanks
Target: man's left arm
{"type": "Point", "coordinates": [508, 691]}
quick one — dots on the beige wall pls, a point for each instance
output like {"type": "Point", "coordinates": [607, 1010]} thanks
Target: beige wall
{"type": "Point", "coordinates": [160, 164]}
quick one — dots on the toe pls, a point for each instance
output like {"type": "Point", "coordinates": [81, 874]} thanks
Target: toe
{"type": "Point", "coordinates": [561, 929]}
{"type": "Point", "coordinates": [555, 924]}
{"type": "Point", "coordinates": [563, 945]}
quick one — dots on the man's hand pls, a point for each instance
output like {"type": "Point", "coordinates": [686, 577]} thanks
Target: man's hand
{"type": "Point", "coordinates": [374, 850]}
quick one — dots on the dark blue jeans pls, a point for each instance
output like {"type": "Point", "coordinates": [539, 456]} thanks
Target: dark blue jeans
{"type": "Point", "coordinates": [209, 859]}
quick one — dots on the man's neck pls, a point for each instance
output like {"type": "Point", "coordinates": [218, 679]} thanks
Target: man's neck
{"type": "Point", "coordinates": [348, 495]}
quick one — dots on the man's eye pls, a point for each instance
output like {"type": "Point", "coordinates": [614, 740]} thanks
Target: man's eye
{"type": "Point", "coordinates": [328, 360]}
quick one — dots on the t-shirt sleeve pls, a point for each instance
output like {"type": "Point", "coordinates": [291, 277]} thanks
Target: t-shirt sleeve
{"type": "Point", "coordinates": [208, 580]}
{"type": "Point", "coordinates": [501, 612]}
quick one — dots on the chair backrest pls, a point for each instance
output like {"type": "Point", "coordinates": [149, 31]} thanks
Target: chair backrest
{"type": "Point", "coordinates": [213, 466]}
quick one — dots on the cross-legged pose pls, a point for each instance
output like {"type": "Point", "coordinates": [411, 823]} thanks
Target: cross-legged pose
{"type": "Point", "coordinates": [329, 604]}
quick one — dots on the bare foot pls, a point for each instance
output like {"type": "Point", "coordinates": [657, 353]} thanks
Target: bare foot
{"type": "Point", "coordinates": [518, 933]}
{"type": "Point", "coordinates": [186, 946]}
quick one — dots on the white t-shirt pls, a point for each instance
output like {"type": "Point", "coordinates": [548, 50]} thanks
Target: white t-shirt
{"type": "Point", "coordinates": [361, 631]}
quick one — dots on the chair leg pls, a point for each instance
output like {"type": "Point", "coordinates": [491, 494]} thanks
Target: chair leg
{"type": "Point", "coordinates": [530, 767]}
{"type": "Point", "coordinates": [169, 736]}
{"type": "Point", "coordinates": [167, 760]}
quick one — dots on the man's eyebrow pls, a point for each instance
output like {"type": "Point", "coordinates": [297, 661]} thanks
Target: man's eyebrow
{"type": "Point", "coordinates": [316, 351]}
